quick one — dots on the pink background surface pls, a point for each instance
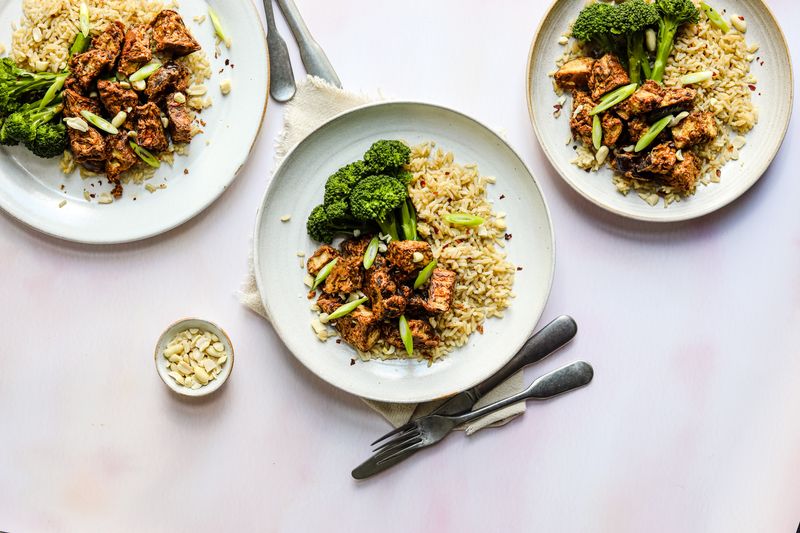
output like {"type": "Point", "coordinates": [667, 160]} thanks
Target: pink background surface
{"type": "Point", "coordinates": [692, 422]}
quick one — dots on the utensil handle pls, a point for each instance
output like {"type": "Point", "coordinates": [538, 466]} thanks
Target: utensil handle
{"type": "Point", "coordinates": [547, 340]}
{"type": "Point", "coordinates": [565, 379]}
{"type": "Point", "coordinates": [281, 84]}
{"type": "Point", "coordinates": [314, 58]}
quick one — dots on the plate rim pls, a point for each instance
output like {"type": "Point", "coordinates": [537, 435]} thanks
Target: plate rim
{"type": "Point", "coordinates": [535, 43]}
{"type": "Point", "coordinates": [257, 260]}
{"type": "Point", "coordinates": [21, 216]}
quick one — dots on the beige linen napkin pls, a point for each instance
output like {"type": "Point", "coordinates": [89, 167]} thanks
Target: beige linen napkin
{"type": "Point", "coordinates": [314, 103]}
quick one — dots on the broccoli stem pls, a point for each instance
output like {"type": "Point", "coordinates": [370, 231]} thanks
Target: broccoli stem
{"type": "Point", "coordinates": [389, 227]}
{"type": "Point", "coordinates": [637, 59]}
{"type": "Point", "coordinates": [666, 38]}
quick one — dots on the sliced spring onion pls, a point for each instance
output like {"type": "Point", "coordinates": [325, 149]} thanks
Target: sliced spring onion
{"type": "Point", "coordinates": [463, 219]}
{"type": "Point", "coordinates": [424, 275]}
{"type": "Point", "coordinates": [84, 19]}
{"type": "Point", "coordinates": [715, 18]}
{"type": "Point", "coordinates": [145, 155]}
{"type": "Point", "coordinates": [407, 223]}
{"type": "Point", "coordinates": [346, 309]}
{"type": "Point", "coordinates": [145, 72]}
{"type": "Point", "coordinates": [597, 132]}
{"type": "Point", "coordinates": [79, 45]}
{"type": "Point", "coordinates": [696, 77]}
{"type": "Point", "coordinates": [99, 122]}
{"type": "Point", "coordinates": [652, 133]}
{"type": "Point", "coordinates": [371, 253]}
{"type": "Point", "coordinates": [324, 273]}
{"type": "Point", "coordinates": [50, 95]}
{"type": "Point", "coordinates": [218, 28]}
{"type": "Point", "coordinates": [405, 334]}
{"type": "Point", "coordinates": [613, 98]}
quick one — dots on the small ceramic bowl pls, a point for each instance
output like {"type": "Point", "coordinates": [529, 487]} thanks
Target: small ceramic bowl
{"type": "Point", "coordinates": [162, 364]}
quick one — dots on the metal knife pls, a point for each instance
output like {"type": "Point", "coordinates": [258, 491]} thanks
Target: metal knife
{"type": "Point", "coordinates": [314, 58]}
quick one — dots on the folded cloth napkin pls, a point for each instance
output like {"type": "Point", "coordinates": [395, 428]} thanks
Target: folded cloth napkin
{"type": "Point", "coordinates": [315, 102]}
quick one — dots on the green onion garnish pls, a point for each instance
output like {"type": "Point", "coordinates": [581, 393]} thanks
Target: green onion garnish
{"type": "Point", "coordinates": [145, 155]}
{"type": "Point", "coordinates": [463, 219]}
{"type": "Point", "coordinates": [597, 132]}
{"type": "Point", "coordinates": [613, 98]}
{"type": "Point", "coordinates": [50, 95]}
{"type": "Point", "coordinates": [405, 334]}
{"type": "Point", "coordinates": [324, 273]}
{"type": "Point", "coordinates": [79, 45]}
{"type": "Point", "coordinates": [346, 308]}
{"type": "Point", "coordinates": [424, 275]}
{"type": "Point", "coordinates": [696, 77]}
{"type": "Point", "coordinates": [715, 18]}
{"type": "Point", "coordinates": [652, 133]}
{"type": "Point", "coordinates": [146, 71]}
{"type": "Point", "coordinates": [99, 122]}
{"type": "Point", "coordinates": [218, 28]}
{"type": "Point", "coordinates": [84, 19]}
{"type": "Point", "coordinates": [371, 253]}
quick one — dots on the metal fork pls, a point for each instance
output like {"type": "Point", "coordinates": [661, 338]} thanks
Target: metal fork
{"type": "Point", "coordinates": [429, 430]}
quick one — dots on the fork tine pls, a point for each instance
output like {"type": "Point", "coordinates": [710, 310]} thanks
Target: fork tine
{"type": "Point", "coordinates": [404, 427]}
{"type": "Point", "coordinates": [406, 450]}
{"type": "Point", "coordinates": [399, 447]}
{"type": "Point", "coordinates": [397, 444]}
{"type": "Point", "coordinates": [397, 438]}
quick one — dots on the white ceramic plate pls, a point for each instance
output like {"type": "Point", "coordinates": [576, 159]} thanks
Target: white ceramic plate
{"type": "Point", "coordinates": [773, 98]}
{"type": "Point", "coordinates": [30, 187]}
{"type": "Point", "coordinates": [298, 186]}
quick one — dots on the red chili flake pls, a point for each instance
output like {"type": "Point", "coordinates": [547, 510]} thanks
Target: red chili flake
{"type": "Point", "coordinates": [480, 328]}
{"type": "Point", "coordinates": [134, 198]}
{"type": "Point", "coordinates": [741, 17]}
{"type": "Point", "coordinates": [185, 171]}
{"type": "Point", "coordinates": [446, 173]}
{"type": "Point", "coordinates": [519, 268]}
{"type": "Point", "coordinates": [422, 183]}
{"type": "Point", "coordinates": [436, 230]}
{"type": "Point", "coordinates": [91, 195]}
{"type": "Point", "coordinates": [227, 61]}
{"type": "Point", "coordinates": [221, 70]}
{"type": "Point", "coordinates": [352, 361]}
{"type": "Point", "coordinates": [232, 65]}
{"type": "Point", "coordinates": [752, 87]}
{"type": "Point", "coordinates": [719, 173]}
{"type": "Point", "coordinates": [507, 236]}
{"type": "Point", "coordinates": [502, 196]}
{"type": "Point", "coordinates": [758, 58]}
{"type": "Point", "coordinates": [338, 341]}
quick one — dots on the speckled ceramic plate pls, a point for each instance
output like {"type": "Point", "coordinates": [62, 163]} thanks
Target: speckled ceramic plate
{"type": "Point", "coordinates": [773, 98]}
{"type": "Point", "coordinates": [298, 186]}
{"type": "Point", "coordinates": [31, 189]}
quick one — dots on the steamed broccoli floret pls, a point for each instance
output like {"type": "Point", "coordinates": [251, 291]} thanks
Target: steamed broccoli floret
{"type": "Point", "coordinates": [50, 140]}
{"type": "Point", "coordinates": [375, 198]}
{"type": "Point", "coordinates": [22, 125]}
{"type": "Point", "coordinates": [386, 157]}
{"type": "Point", "coordinates": [595, 25]}
{"type": "Point", "coordinates": [18, 86]}
{"type": "Point", "coordinates": [322, 227]}
{"type": "Point", "coordinates": [673, 14]}
{"type": "Point", "coordinates": [338, 189]}
{"type": "Point", "coordinates": [5, 138]}
{"type": "Point", "coordinates": [631, 19]}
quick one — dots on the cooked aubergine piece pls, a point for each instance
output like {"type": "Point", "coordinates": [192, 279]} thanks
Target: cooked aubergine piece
{"type": "Point", "coordinates": [574, 74]}
{"type": "Point", "coordinates": [607, 75]}
{"type": "Point", "coordinates": [359, 328]}
{"type": "Point", "coordinates": [646, 98]}
{"type": "Point", "coordinates": [115, 97]}
{"type": "Point", "coordinates": [660, 160]}
{"type": "Point", "coordinates": [381, 289]}
{"type": "Point", "coordinates": [74, 103]}
{"type": "Point", "coordinates": [110, 41]}
{"type": "Point", "coordinates": [324, 255]}
{"type": "Point", "coordinates": [86, 68]}
{"type": "Point", "coordinates": [422, 333]}
{"type": "Point", "coordinates": [612, 129]}
{"type": "Point", "coordinates": [180, 121]}
{"type": "Point", "coordinates": [171, 34]}
{"type": "Point", "coordinates": [149, 129]}
{"type": "Point", "coordinates": [685, 173]}
{"type": "Point", "coordinates": [88, 147]}
{"type": "Point", "coordinates": [401, 255]}
{"type": "Point", "coordinates": [580, 122]}
{"type": "Point", "coordinates": [346, 276]}
{"type": "Point", "coordinates": [135, 50]}
{"type": "Point", "coordinates": [170, 78]}
{"type": "Point", "coordinates": [119, 155]}
{"type": "Point", "coordinates": [698, 128]}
